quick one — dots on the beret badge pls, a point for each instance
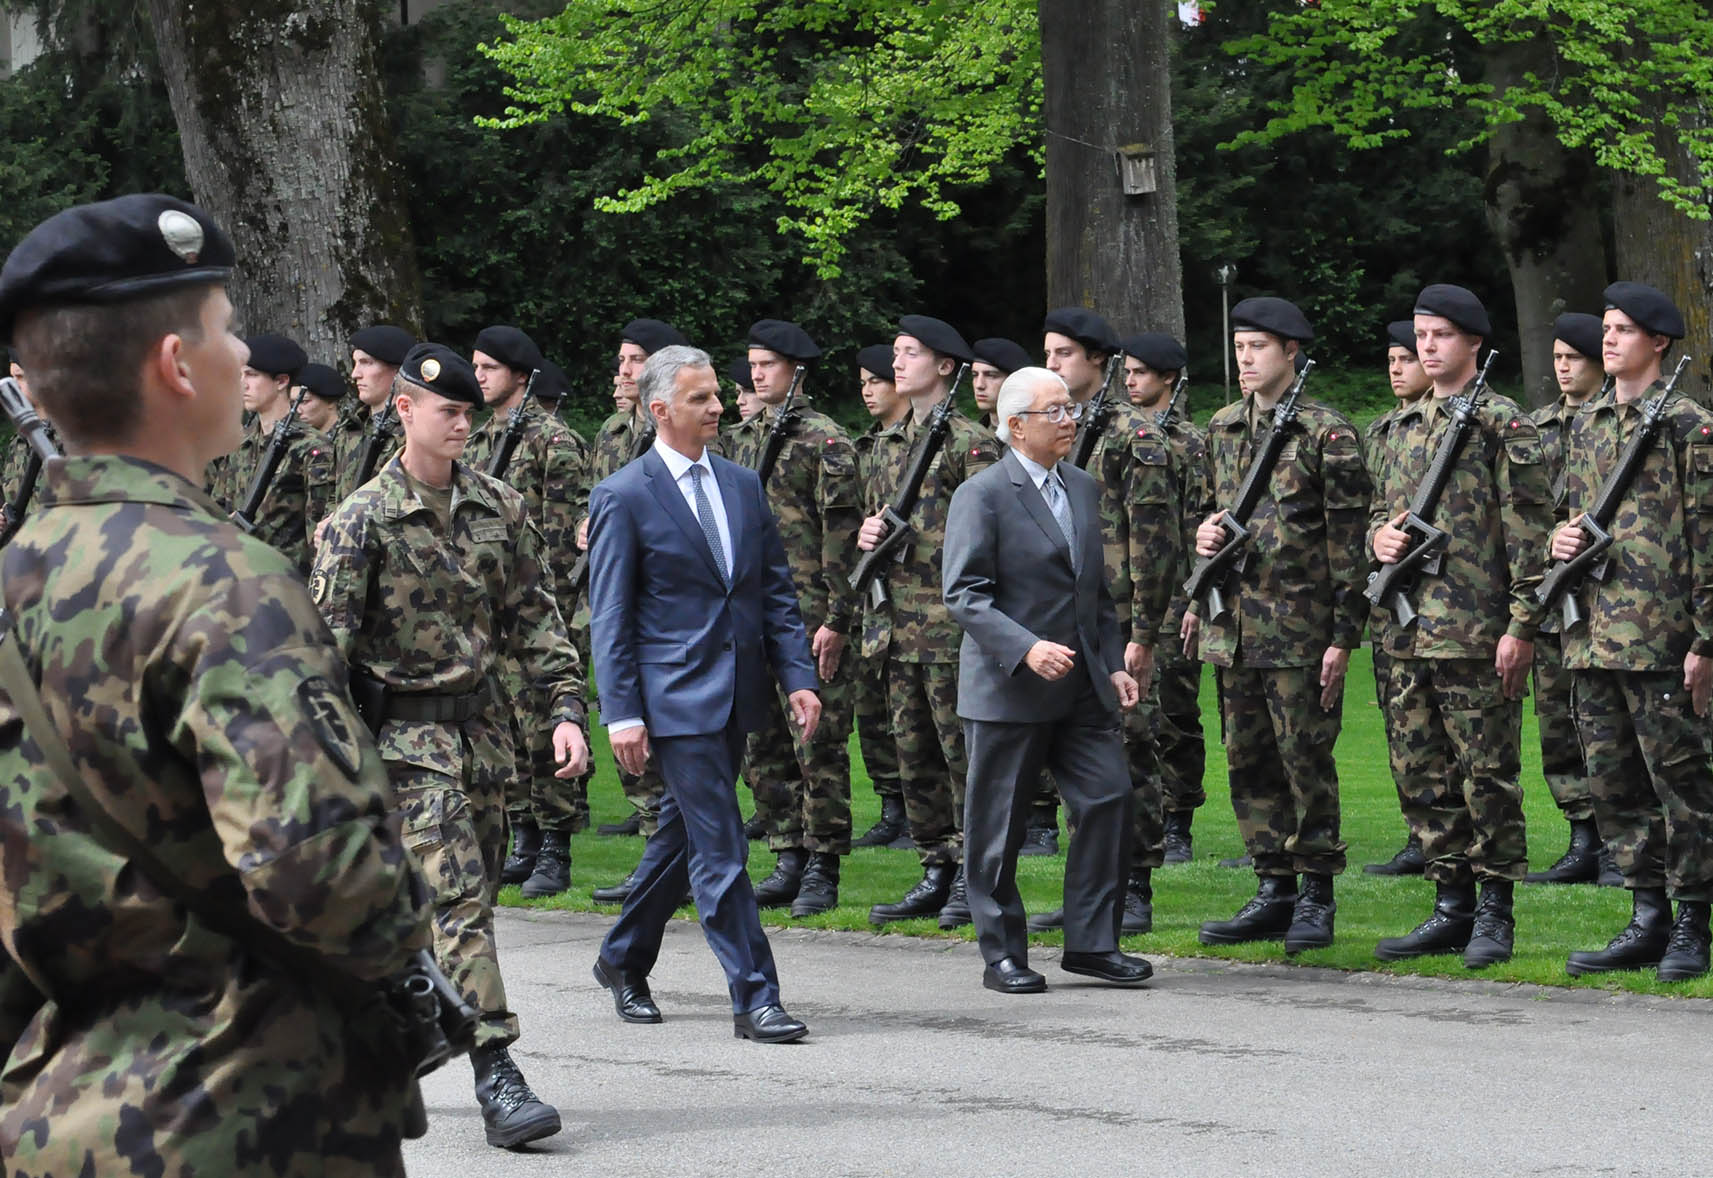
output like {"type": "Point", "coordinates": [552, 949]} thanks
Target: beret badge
{"type": "Point", "coordinates": [182, 233]}
{"type": "Point", "coordinates": [431, 369]}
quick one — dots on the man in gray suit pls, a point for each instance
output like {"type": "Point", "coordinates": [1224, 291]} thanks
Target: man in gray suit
{"type": "Point", "coordinates": [1041, 680]}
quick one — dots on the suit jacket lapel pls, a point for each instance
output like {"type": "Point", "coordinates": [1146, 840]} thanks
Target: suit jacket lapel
{"type": "Point", "coordinates": [668, 495]}
{"type": "Point", "coordinates": [1037, 506]}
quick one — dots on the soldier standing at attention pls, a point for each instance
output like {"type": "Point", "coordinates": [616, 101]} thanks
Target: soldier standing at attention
{"type": "Point", "coordinates": [431, 576]}
{"type": "Point", "coordinates": [1460, 670]}
{"type": "Point", "coordinates": [1295, 613]}
{"type": "Point", "coordinates": [376, 353]}
{"type": "Point", "coordinates": [922, 655]}
{"type": "Point", "coordinates": [1643, 658]}
{"type": "Point", "coordinates": [995, 359]}
{"type": "Point", "coordinates": [747, 402]}
{"type": "Point", "coordinates": [803, 788]}
{"type": "Point", "coordinates": [320, 411]}
{"type": "Point", "coordinates": [134, 1037]}
{"type": "Point", "coordinates": [1410, 382]}
{"type": "Point", "coordinates": [270, 383]}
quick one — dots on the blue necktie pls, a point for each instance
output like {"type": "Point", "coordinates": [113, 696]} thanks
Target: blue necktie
{"type": "Point", "coordinates": [705, 515]}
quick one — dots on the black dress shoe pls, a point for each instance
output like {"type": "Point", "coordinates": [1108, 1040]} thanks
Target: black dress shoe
{"type": "Point", "coordinates": [615, 893]}
{"type": "Point", "coordinates": [630, 994]}
{"type": "Point", "coordinates": [631, 825]}
{"type": "Point", "coordinates": [1009, 976]}
{"type": "Point", "coordinates": [1120, 969]}
{"type": "Point", "coordinates": [768, 1024]}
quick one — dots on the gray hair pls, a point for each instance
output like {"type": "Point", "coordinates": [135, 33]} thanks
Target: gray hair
{"type": "Point", "coordinates": [1018, 393]}
{"type": "Point", "coordinates": [659, 380]}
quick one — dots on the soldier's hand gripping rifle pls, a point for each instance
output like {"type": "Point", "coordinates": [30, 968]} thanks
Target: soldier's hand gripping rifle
{"type": "Point", "coordinates": [1566, 576]}
{"type": "Point", "coordinates": [502, 455]}
{"type": "Point", "coordinates": [33, 430]}
{"type": "Point", "coordinates": [1206, 586]}
{"type": "Point", "coordinates": [1168, 416]}
{"type": "Point", "coordinates": [257, 492]}
{"type": "Point", "coordinates": [644, 441]}
{"type": "Point", "coordinates": [782, 422]}
{"type": "Point", "coordinates": [1097, 415]}
{"type": "Point", "coordinates": [1389, 584]}
{"type": "Point", "coordinates": [380, 433]}
{"type": "Point", "coordinates": [868, 574]}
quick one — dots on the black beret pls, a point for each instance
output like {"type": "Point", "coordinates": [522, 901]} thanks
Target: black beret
{"type": "Point", "coordinates": [1001, 353]}
{"type": "Point", "coordinates": [1401, 333]}
{"type": "Point", "coordinates": [510, 347]}
{"type": "Point", "coordinates": [1582, 332]}
{"type": "Point", "coordinates": [1651, 310]}
{"type": "Point", "coordinates": [937, 334]}
{"type": "Point", "coordinates": [552, 384]}
{"type": "Point", "coordinates": [384, 342]}
{"type": "Point", "coordinates": [1157, 350]}
{"type": "Point", "coordinates": [1457, 304]}
{"type": "Point", "coordinates": [1084, 326]}
{"type": "Point", "coordinates": [113, 251]}
{"type": "Point", "coordinates": [322, 381]}
{"type": "Point", "coordinates": [275, 355]}
{"type": "Point", "coordinates": [439, 369]}
{"type": "Point", "coordinates": [789, 340]}
{"type": "Point", "coordinates": [1274, 316]}
{"type": "Point", "coordinates": [741, 373]}
{"type": "Point", "coordinates": [877, 358]}
{"type": "Point", "coordinates": [651, 335]}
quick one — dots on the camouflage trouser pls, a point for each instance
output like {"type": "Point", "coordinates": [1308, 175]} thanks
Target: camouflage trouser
{"type": "Point", "coordinates": [1176, 705]}
{"type": "Point", "coordinates": [873, 717]}
{"type": "Point", "coordinates": [1382, 693]}
{"type": "Point", "coordinates": [1284, 782]}
{"type": "Point", "coordinates": [456, 828]}
{"type": "Point", "coordinates": [1653, 784]}
{"type": "Point", "coordinates": [533, 794]}
{"type": "Point", "coordinates": [803, 791]}
{"type": "Point", "coordinates": [931, 761]}
{"type": "Point", "coordinates": [644, 791]}
{"type": "Point", "coordinates": [1147, 820]}
{"type": "Point", "coordinates": [1455, 742]}
{"type": "Point", "coordinates": [1561, 746]}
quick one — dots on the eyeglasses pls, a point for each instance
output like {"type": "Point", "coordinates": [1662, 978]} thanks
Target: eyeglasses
{"type": "Point", "coordinates": [1057, 414]}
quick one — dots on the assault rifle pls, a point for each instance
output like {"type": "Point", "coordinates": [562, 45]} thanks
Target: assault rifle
{"type": "Point", "coordinates": [782, 421]}
{"type": "Point", "coordinates": [502, 455]}
{"type": "Point", "coordinates": [33, 430]}
{"type": "Point", "coordinates": [580, 570]}
{"type": "Point", "coordinates": [1389, 584]}
{"type": "Point", "coordinates": [1206, 586]}
{"type": "Point", "coordinates": [867, 574]}
{"type": "Point", "coordinates": [380, 433]}
{"type": "Point", "coordinates": [257, 492]}
{"type": "Point", "coordinates": [1168, 416]}
{"type": "Point", "coordinates": [1097, 414]}
{"type": "Point", "coordinates": [1566, 576]}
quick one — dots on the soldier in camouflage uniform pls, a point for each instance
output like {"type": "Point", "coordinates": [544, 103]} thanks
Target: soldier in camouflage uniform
{"type": "Point", "coordinates": [1294, 613]}
{"type": "Point", "coordinates": [803, 789]}
{"type": "Point", "coordinates": [431, 576]}
{"type": "Point", "coordinates": [1410, 382]}
{"type": "Point", "coordinates": [283, 517]}
{"type": "Point", "coordinates": [922, 640]}
{"type": "Point", "coordinates": [15, 463]}
{"type": "Point", "coordinates": [870, 710]}
{"type": "Point", "coordinates": [995, 359]}
{"type": "Point", "coordinates": [376, 353]}
{"type": "Point", "coordinates": [748, 404]}
{"type": "Point", "coordinates": [1643, 658]}
{"type": "Point", "coordinates": [134, 1038]}
{"type": "Point", "coordinates": [1460, 669]}
{"type": "Point", "coordinates": [546, 468]}
{"type": "Point", "coordinates": [321, 410]}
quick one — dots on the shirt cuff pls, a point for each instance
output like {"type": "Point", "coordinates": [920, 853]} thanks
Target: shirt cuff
{"type": "Point", "coordinates": [620, 725]}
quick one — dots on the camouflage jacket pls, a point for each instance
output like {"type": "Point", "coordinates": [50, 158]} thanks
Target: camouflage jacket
{"type": "Point", "coordinates": [300, 494]}
{"type": "Point", "coordinates": [13, 465]}
{"type": "Point", "coordinates": [1169, 497]}
{"type": "Point", "coordinates": [424, 611]}
{"type": "Point", "coordinates": [1552, 422]}
{"type": "Point", "coordinates": [1132, 584]}
{"type": "Point", "coordinates": [205, 705]}
{"type": "Point", "coordinates": [350, 438]}
{"type": "Point", "coordinates": [1377, 441]}
{"type": "Point", "coordinates": [1497, 512]}
{"type": "Point", "coordinates": [876, 623]}
{"type": "Point", "coordinates": [1656, 602]}
{"type": "Point", "coordinates": [622, 439]}
{"type": "Point", "coordinates": [1300, 590]}
{"type": "Point", "coordinates": [816, 501]}
{"type": "Point", "coordinates": [919, 628]}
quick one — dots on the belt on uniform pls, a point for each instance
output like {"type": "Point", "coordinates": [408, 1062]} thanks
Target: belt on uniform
{"type": "Point", "coordinates": [443, 708]}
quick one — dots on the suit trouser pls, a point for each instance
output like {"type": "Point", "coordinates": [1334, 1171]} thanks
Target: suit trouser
{"type": "Point", "coordinates": [701, 839]}
{"type": "Point", "coordinates": [1085, 753]}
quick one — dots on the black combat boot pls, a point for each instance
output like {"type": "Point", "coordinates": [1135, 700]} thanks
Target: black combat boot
{"type": "Point", "coordinates": [755, 828]}
{"type": "Point", "coordinates": [511, 1113]}
{"type": "Point", "coordinates": [1179, 846]}
{"type": "Point", "coordinates": [1041, 836]}
{"type": "Point", "coordinates": [1311, 917]}
{"type": "Point", "coordinates": [1495, 927]}
{"type": "Point", "coordinates": [615, 893]}
{"type": "Point", "coordinates": [1580, 862]}
{"type": "Point", "coordinates": [526, 844]}
{"type": "Point", "coordinates": [1408, 861]}
{"type": "Point", "coordinates": [631, 825]}
{"type": "Point", "coordinates": [955, 912]}
{"type": "Point", "coordinates": [891, 826]}
{"type": "Point", "coordinates": [1640, 945]}
{"type": "Point", "coordinates": [1686, 952]}
{"type": "Point", "coordinates": [1265, 917]}
{"type": "Point", "coordinates": [1138, 902]}
{"type": "Point", "coordinates": [925, 899]}
{"type": "Point", "coordinates": [1610, 876]}
{"type": "Point", "coordinates": [780, 888]}
{"type": "Point", "coordinates": [819, 890]}
{"type": "Point", "coordinates": [1447, 930]}
{"type": "Point", "coordinates": [552, 874]}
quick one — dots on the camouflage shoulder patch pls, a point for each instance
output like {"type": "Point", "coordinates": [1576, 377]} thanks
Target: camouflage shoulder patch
{"type": "Point", "coordinates": [329, 715]}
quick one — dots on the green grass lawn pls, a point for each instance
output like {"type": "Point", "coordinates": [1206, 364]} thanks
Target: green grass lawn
{"type": "Point", "coordinates": [1551, 920]}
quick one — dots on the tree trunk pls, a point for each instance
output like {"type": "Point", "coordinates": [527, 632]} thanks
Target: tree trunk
{"type": "Point", "coordinates": [1537, 203]}
{"type": "Point", "coordinates": [1107, 89]}
{"type": "Point", "coordinates": [288, 145]}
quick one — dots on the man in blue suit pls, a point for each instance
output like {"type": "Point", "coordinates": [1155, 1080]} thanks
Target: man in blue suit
{"type": "Point", "coordinates": [692, 613]}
